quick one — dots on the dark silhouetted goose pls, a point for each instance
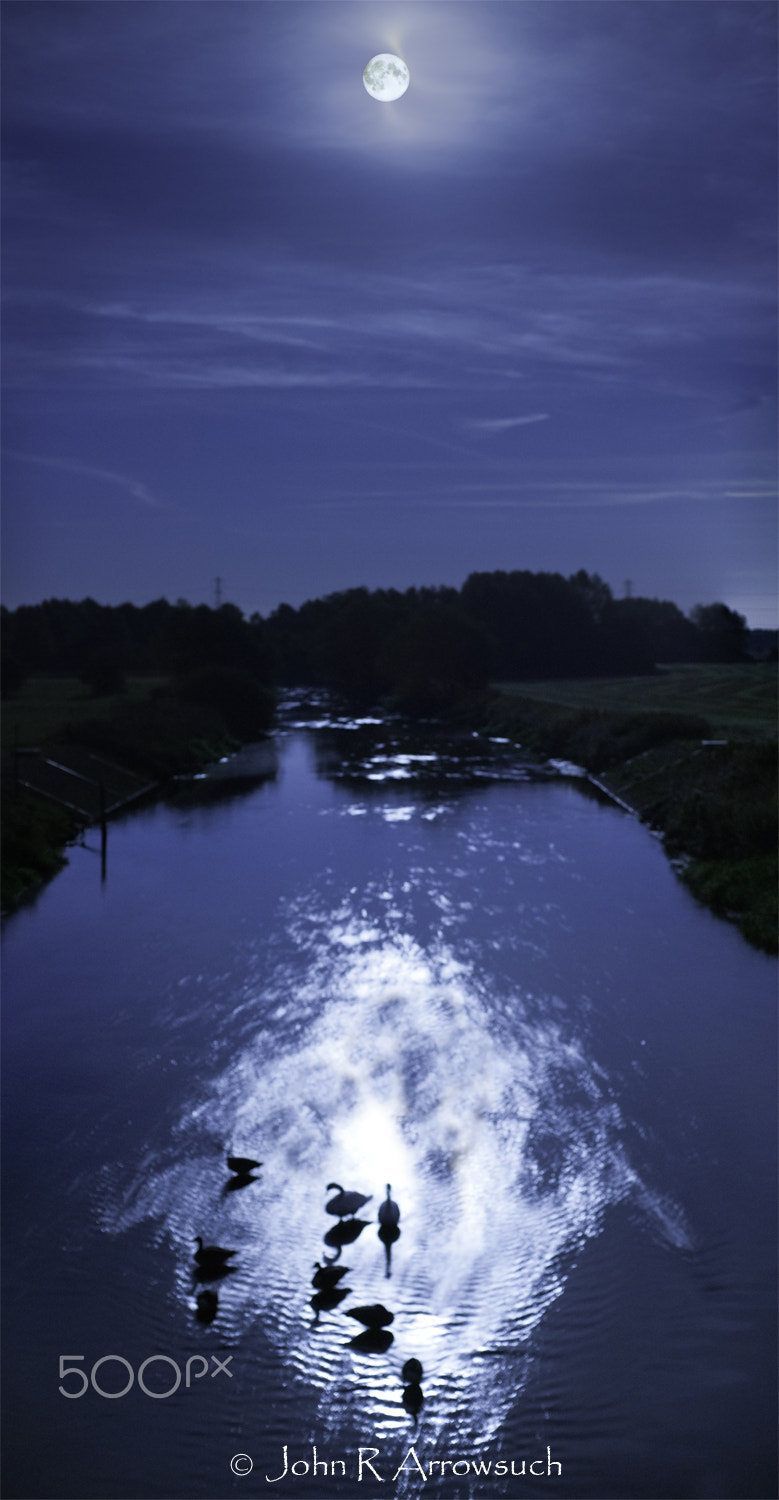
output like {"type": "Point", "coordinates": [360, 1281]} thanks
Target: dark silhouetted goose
{"type": "Point", "coordinates": [345, 1203]}
{"type": "Point", "coordinates": [210, 1272]}
{"type": "Point", "coordinates": [212, 1257]}
{"type": "Point", "coordinates": [389, 1213]}
{"type": "Point", "coordinates": [413, 1398]}
{"type": "Point", "coordinates": [327, 1276]}
{"type": "Point", "coordinates": [374, 1316]}
{"type": "Point", "coordinates": [242, 1165]}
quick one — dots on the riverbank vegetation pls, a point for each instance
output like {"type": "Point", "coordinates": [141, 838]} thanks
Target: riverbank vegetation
{"type": "Point", "coordinates": [716, 807]}
{"type": "Point", "coordinates": [34, 836]}
{"type": "Point", "coordinates": [157, 731]}
{"type": "Point", "coordinates": [161, 691]}
{"type": "Point", "coordinates": [556, 664]}
{"type": "Point", "coordinates": [712, 800]}
{"type": "Point", "coordinates": [736, 699]}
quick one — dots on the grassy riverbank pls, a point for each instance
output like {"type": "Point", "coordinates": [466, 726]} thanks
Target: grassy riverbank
{"type": "Point", "coordinates": [34, 837]}
{"type": "Point", "coordinates": [716, 807]}
{"type": "Point", "coordinates": [715, 804]}
{"type": "Point", "coordinates": [48, 708]}
{"type": "Point", "coordinates": [149, 729]}
{"type": "Point", "coordinates": [738, 700]}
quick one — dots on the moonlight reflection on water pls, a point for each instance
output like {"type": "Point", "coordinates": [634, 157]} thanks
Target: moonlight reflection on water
{"type": "Point", "coordinates": [499, 1138]}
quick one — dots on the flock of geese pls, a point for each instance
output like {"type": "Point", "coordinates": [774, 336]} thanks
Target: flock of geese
{"type": "Point", "coordinates": [212, 1263]}
{"type": "Point", "coordinates": [375, 1317]}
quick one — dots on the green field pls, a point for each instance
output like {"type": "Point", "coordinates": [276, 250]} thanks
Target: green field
{"type": "Point", "coordinates": [738, 700]}
{"type": "Point", "coordinates": [46, 706]}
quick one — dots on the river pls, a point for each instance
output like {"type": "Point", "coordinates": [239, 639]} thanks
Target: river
{"type": "Point", "coordinates": [378, 957]}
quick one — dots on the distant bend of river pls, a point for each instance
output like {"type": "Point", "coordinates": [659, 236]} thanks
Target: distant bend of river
{"type": "Point", "coordinates": [383, 955]}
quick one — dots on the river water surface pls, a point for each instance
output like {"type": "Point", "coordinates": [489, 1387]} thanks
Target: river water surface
{"type": "Point", "coordinates": [374, 961]}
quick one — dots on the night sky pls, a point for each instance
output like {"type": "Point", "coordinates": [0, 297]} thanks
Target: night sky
{"type": "Point", "coordinates": [264, 328]}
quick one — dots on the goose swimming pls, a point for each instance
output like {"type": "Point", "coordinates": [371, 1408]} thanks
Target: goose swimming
{"type": "Point", "coordinates": [389, 1213]}
{"type": "Point", "coordinates": [242, 1165]}
{"type": "Point", "coordinates": [413, 1396]}
{"type": "Point", "coordinates": [373, 1316]}
{"type": "Point", "coordinates": [327, 1276]}
{"type": "Point", "coordinates": [212, 1257]}
{"type": "Point", "coordinates": [345, 1202]}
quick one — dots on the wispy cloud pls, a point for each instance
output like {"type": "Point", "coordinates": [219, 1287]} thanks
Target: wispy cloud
{"type": "Point", "coordinates": [290, 325]}
{"type": "Point", "coordinates": [132, 487]}
{"type": "Point", "coordinates": [261, 328]}
{"type": "Point", "coordinates": [502, 424]}
{"type": "Point", "coordinates": [554, 494]}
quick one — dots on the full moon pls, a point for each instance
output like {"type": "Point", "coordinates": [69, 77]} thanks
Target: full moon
{"type": "Point", "coordinates": [386, 77]}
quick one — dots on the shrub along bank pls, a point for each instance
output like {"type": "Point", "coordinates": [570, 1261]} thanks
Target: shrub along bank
{"type": "Point", "coordinates": [715, 804]}
{"type": "Point", "coordinates": [34, 835]}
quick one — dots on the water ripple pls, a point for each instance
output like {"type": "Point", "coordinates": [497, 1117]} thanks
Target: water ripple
{"type": "Point", "coordinates": [499, 1137]}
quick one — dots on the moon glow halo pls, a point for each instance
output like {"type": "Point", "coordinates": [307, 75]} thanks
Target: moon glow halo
{"type": "Point", "coordinates": [386, 77]}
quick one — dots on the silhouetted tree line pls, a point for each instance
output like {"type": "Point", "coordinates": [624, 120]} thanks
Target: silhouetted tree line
{"type": "Point", "coordinates": [59, 636]}
{"type": "Point", "coordinates": [425, 647]}
{"type": "Point", "coordinates": [207, 656]}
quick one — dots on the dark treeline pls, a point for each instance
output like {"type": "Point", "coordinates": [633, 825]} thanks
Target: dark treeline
{"type": "Point", "coordinates": [427, 647]}
{"type": "Point", "coordinates": [423, 648]}
{"type": "Point", "coordinates": [59, 637]}
{"type": "Point", "coordinates": [206, 656]}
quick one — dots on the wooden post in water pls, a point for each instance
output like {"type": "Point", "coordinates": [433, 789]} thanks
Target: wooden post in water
{"type": "Point", "coordinates": [103, 831]}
